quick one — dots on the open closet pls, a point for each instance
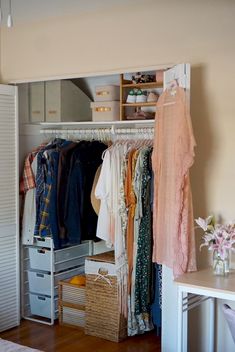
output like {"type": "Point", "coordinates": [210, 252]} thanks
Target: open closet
{"type": "Point", "coordinates": [79, 109]}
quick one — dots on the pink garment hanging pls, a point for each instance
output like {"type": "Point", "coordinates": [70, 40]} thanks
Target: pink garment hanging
{"type": "Point", "coordinates": [173, 155]}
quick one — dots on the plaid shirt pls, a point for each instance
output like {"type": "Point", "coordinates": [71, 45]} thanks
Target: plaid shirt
{"type": "Point", "coordinates": [44, 181]}
{"type": "Point", "coordinates": [44, 227]}
{"type": "Point", "coordinates": [27, 180]}
{"type": "Point", "coordinates": [41, 177]}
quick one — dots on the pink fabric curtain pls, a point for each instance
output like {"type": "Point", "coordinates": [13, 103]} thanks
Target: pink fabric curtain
{"type": "Point", "coordinates": [173, 155]}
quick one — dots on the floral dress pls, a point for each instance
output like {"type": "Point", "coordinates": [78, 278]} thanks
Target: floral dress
{"type": "Point", "coordinates": [144, 250]}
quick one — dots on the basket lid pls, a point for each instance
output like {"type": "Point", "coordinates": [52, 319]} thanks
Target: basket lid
{"type": "Point", "coordinates": [107, 257]}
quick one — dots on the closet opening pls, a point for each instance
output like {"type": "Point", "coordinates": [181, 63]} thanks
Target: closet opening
{"type": "Point", "coordinates": [88, 142]}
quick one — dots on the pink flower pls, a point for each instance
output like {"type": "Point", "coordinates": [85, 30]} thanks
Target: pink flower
{"type": "Point", "coordinates": [217, 236]}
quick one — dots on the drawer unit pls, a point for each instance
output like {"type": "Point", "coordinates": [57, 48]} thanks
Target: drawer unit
{"type": "Point", "coordinates": [41, 305]}
{"type": "Point", "coordinates": [107, 93]}
{"type": "Point", "coordinates": [42, 269]}
{"type": "Point", "coordinates": [72, 300]}
{"type": "Point", "coordinates": [40, 282]}
{"type": "Point", "coordinates": [72, 316]}
{"type": "Point", "coordinates": [40, 258]}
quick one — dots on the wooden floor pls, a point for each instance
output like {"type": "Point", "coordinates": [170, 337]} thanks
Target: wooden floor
{"type": "Point", "coordinates": [63, 339]}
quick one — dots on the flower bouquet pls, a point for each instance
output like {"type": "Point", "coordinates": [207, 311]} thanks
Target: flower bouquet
{"type": "Point", "coordinates": [220, 239]}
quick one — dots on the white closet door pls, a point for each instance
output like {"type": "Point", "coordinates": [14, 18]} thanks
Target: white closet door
{"type": "Point", "coordinates": [181, 73]}
{"type": "Point", "coordinates": [9, 234]}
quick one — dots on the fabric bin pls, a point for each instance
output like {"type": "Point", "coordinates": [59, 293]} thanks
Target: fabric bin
{"type": "Point", "coordinates": [105, 111]}
{"type": "Point", "coordinates": [41, 305]}
{"type": "Point", "coordinates": [71, 304]}
{"type": "Point", "coordinates": [107, 93]}
{"type": "Point", "coordinates": [40, 282]}
{"type": "Point", "coordinates": [103, 318]}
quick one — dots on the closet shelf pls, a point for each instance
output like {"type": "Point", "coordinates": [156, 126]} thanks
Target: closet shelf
{"type": "Point", "coordinates": [148, 85]}
{"type": "Point", "coordinates": [103, 124]}
{"type": "Point", "coordinates": [139, 104]}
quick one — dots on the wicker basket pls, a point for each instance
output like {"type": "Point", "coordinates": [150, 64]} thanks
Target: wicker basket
{"type": "Point", "coordinates": [71, 304]}
{"type": "Point", "coordinates": [103, 317]}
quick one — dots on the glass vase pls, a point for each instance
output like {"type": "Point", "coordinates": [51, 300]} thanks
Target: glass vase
{"type": "Point", "coordinates": [220, 266]}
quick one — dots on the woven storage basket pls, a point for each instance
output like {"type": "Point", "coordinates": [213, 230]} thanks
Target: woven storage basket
{"type": "Point", "coordinates": [71, 304]}
{"type": "Point", "coordinates": [103, 318]}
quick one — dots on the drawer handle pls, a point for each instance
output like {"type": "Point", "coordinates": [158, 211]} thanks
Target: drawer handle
{"type": "Point", "coordinates": [102, 109]}
{"type": "Point", "coordinates": [41, 251]}
{"type": "Point", "coordinates": [41, 239]}
{"type": "Point", "coordinates": [52, 112]}
{"type": "Point", "coordinates": [36, 112]}
{"type": "Point", "coordinates": [40, 275]}
{"type": "Point", "coordinates": [103, 92]}
{"type": "Point", "coordinates": [41, 298]}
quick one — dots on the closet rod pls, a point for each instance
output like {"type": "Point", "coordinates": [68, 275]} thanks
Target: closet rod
{"type": "Point", "coordinates": [112, 130]}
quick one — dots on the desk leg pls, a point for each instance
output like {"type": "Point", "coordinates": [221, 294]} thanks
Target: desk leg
{"type": "Point", "coordinates": [185, 324]}
{"type": "Point", "coordinates": [212, 325]}
{"type": "Point", "coordinates": [180, 321]}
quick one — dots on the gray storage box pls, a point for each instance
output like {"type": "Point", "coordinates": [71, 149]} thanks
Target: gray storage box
{"type": "Point", "coordinates": [40, 282]}
{"type": "Point", "coordinates": [40, 258]}
{"type": "Point", "coordinates": [41, 305]}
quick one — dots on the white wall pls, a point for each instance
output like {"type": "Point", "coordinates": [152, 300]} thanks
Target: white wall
{"type": "Point", "coordinates": [149, 33]}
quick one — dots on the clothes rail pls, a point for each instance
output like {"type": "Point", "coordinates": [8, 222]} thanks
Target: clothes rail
{"type": "Point", "coordinates": [100, 131]}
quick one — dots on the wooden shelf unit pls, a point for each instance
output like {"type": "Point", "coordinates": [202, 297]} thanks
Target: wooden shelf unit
{"type": "Point", "coordinates": [143, 85]}
{"type": "Point", "coordinates": [126, 85]}
{"type": "Point", "coordinates": [139, 104]}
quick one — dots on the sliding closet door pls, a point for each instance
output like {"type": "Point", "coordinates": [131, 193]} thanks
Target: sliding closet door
{"type": "Point", "coordinates": [181, 73]}
{"type": "Point", "coordinates": [9, 234]}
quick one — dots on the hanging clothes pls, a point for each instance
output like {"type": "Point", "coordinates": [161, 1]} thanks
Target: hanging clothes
{"type": "Point", "coordinates": [62, 184]}
{"type": "Point", "coordinates": [156, 308]}
{"type": "Point", "coordinates": [28, 190]}
{"type": "Point", "coordinates": [29, 212]}
{"type": "Point", "coordinates": [57, 182]}
{"type": "Point", "coordinates": [173, 155]}
{"type": "Point", "coordinates": [140, 299]}
{"type": "Point", "coordinates": [124, 190]}
{"type": "Point", "coordinates": [80, 217]}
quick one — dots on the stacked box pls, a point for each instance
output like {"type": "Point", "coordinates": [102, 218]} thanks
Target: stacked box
{"type": "Point", "coordinates": [71, 304]}
{"type": "Point", "coordinates": [106, 106]}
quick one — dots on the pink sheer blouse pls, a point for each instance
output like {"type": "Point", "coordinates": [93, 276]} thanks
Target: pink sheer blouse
{"type": "Point", "coordinates": [173, 155]}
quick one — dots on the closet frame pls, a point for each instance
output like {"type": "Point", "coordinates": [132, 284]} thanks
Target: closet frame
{"type": "Point", "coordinates": [181, 73]}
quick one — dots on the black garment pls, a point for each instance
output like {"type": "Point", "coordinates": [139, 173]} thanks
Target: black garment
{"type": "Point", "coordinates": [80, 219]}
{"type": "Point", "coordinates": [63, 174]}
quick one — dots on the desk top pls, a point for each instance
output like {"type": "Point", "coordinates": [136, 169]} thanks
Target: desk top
{"type": "Point", "coordinates": [205, 279]}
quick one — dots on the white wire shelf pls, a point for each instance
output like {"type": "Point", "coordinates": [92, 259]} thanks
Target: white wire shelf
{"type": "Point", "coordinates": [103, 124]}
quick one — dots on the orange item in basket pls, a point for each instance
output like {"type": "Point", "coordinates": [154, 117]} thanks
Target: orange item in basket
{"type": "Point", "coordinates": [78, 280]}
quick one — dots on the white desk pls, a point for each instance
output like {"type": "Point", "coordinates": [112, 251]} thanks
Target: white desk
{"type": "Point", "coordinates": [195, 288]}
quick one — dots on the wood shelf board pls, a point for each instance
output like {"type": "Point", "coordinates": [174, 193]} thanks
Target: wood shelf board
{"type": "Point", "coordinates": [139, 104]}
{"type": "Point", "coordinates": [144, 85]}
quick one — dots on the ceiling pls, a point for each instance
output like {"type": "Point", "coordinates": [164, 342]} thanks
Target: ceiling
{"type": "Point", "coordinates": [36, 10]}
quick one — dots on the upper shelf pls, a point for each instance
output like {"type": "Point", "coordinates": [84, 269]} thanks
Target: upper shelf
{"type": "Point", "coordinates": [148, 85]}
{"type": "Point", "coordinates": [139, 104]}
{"type": "Point", "coordinates": [93, 124]}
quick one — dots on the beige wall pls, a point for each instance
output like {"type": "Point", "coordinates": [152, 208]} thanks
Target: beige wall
{"type": "Point", "coordinates": [150, 33]}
